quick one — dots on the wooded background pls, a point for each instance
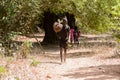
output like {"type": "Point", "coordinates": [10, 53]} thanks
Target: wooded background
{"type": "Point", "coordinates": [91, 16]}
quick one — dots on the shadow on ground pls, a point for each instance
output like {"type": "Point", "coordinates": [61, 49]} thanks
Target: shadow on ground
{"type": "Point", "coordinates": [103, 72]}
{"type": "Point", "coordinates": [71, 55]}
{"type": "Point", "coordinates": [54, 52]}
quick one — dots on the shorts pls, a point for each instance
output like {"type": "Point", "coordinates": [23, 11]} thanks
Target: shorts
{"type": "Point", "coordinates": [63, 43]}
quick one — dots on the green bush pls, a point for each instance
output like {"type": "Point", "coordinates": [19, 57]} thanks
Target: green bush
{"type": "Point", "coordinates": [2, 71]}
{"type": "Point", "coordinates": [8, 44]}
{"type": "Point", "coordinates": [25, 49]}
{"type": "Point", "coordinates": [34, 62]}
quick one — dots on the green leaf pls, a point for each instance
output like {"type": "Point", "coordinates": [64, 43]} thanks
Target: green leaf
{"type": "Point", "coordinates": [2, 70]}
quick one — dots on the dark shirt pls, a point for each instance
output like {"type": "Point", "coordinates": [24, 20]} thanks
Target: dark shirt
{"type": "Point", "coordinates": [64, 33]}
{"type": "Point", "coordinates": [63, 36]}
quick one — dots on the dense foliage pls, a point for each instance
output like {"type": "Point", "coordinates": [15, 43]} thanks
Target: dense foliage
{"type": "Point", "coordinates": [22, 14]}
{"type": "Point", "coordinates": [91, 15]}
{"type": "Point", "coordinates": [18, 15]}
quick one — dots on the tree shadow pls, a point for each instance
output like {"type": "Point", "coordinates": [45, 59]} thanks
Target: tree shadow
{"type": "Point", "coordinates": [73, 54]}
{"type": "Point", "coordinates": [51, 62]}
{"type": "Point", "coordinates": [103, 72]}
{"type": "Point", "coordinates": [117, 56]}
{"type": "Point", "coordinates": [53, 51]}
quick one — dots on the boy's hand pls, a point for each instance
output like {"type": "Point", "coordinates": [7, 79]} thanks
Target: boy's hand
{"type": "Point", "coordinates": [67, 39]}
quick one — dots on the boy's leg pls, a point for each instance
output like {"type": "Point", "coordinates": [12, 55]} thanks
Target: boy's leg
{"type": "Point", "coordinates": [71, 43]}
{"type": "Point", "coordinates": [61, 54]}
{"type": "Point", "coordinates": [77, 42]}
{"type": "Point", "coordinates": [65, 52]}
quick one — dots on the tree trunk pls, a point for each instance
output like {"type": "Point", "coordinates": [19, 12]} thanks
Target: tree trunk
{"type": "Point", "coordinates": [48, 20]}
{"type": "Point", "coordinates": [71, 20]}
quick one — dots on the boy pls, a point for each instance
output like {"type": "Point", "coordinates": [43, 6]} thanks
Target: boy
{"type": "Point", "coordinates": [63, 40]}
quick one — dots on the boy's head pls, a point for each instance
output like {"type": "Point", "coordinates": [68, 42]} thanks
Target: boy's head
{"type": "Point", "coordinates": [65, 21]}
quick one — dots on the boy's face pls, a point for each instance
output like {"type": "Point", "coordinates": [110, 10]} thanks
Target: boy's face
{"type": "Point", "coordinates": [64, 22]}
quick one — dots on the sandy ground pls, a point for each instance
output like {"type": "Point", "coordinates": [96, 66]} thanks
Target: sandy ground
{"type": "Point", "coordinates": [98, 63]}
{"type": "Point", "coordinates": [79, 66]}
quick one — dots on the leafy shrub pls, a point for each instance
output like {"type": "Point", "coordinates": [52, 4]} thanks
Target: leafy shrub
{"type": "Point", "coordinates": [17, 78]}
{"type": "Point", "coordinates": [34, 62]}
{"type": "Point", "coordinates": [7, 43]}
{"type": "Point", "coordinates": [25, 49]}
{"type": "Point", "coordinates": [2, 71]}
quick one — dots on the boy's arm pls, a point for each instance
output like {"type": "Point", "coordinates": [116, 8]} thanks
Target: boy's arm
{"type": "Point", "coordinates": [68, 30]}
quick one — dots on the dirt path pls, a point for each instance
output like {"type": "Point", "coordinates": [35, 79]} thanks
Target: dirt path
{"type": "Point", "coordinates": [87, 67]}
{"type": "Point", "coordinates": [81, 65]}
{"type": "Point", "coordinates": [98, 63]}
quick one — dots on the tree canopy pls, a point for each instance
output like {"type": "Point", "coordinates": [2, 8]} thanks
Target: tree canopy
{"type": "Point", "coordinates": [90, 14]}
